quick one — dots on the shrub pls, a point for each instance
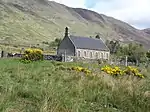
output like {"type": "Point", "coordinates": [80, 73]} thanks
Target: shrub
{"type": "Point", "coordinates": [99, 61]}
{"type": "Point", "coordinates": [133, 71]}
{"type": "Point", "coordinates": [116, 71]}
{"type": "Point", "coordinates": [32, 55]}
{"type": "Point", "coordinates": [81, 69]}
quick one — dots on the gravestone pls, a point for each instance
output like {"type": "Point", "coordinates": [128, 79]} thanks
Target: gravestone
{"type": "Point", "coordinates": [0, 54]}
{"type": "Point", "coordinates": [3, 54]}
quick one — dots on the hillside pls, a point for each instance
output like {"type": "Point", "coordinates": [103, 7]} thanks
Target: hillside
{"type": "Point", "coordinates": [147, 30]}
{"type": "Point", "coordinates": [25, 22]}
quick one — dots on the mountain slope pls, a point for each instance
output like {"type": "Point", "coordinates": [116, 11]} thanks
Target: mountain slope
{"type": "Point", "coordinates": [147, 31]}
{"type": "Point", "coordinates": [34, 21]}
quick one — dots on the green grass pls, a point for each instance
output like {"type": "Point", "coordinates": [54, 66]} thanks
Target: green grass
{"type": "Point", "coordinates": [47, 87]}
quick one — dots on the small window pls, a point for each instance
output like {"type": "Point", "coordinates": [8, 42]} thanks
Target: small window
{"type": "Point", "coordinates": [96, 55]}
{"type": "Point", "coordinates": [107, 56]}
{"type": "Point", "coordinates": [79, 54]}
{"type": "Point", "coordinates": [102, 55]}
{"type": "Point", "coordinates": [91, 55]}
{"type": "Point", "coordinates": [85, 54]}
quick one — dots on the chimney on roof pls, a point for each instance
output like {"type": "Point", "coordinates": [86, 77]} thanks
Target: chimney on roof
{"type": "Point", "coordinates": [66, 32]}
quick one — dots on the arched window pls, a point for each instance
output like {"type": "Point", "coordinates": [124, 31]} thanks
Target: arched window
{"type": "Point", "coordinates": [107, 55]}
{"type": "Point", "coordinates": [102, 56]}
{"type": "Point", "coordinates": [79, 54]}
{"type": "Point", "coordinates": [91, 55]}
{"type": "Point", "coordinates": [85, 54]}
{"type": "Point", "coordinates": [96, 55]}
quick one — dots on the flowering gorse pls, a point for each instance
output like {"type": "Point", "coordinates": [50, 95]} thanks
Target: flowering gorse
{"type": "Point", "coordinates": [115, 71]}
{"type": "Point", "coordinates": [112, 70]}
{"type": "Point", "coordinates": [31, 51]}
{"type": "Point", "coordinates": [81, 69]}
{"type": "Point", "coordinates": [133, 71]}
{"type": "Point", "coordinates": [32, 55]}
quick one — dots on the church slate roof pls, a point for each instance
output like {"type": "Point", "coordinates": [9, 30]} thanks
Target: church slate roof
{"type": "Point", "coordinates": [88, 43]}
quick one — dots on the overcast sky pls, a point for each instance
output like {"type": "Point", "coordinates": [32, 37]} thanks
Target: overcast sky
{"type": "Point", "coordinates": [135, 12]}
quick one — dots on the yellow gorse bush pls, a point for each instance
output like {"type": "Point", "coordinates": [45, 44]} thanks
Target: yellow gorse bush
{"type": "Point", "coordinates": [31, 51]}
{"type": "Point", "coordinates": [81, 69]}
{"type": "Point", "coordinates": [32, 54]}
{"type": "Point", "coordinates": [112, 70]}
{"type": "Point", "coordinates": [133, 71]}
{"type": "Point", "coordinates": [115, 71]}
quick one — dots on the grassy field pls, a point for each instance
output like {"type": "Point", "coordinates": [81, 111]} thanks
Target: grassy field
{"type": "Point", "coordinates": [47, 86]}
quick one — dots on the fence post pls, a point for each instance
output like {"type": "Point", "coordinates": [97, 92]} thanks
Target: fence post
{"type": "Point", "coordinates": [126, 63]}
{"type": "Point", "coordinates": [2, 54]}
{"type": "Point", "coordinates": [65, 56]}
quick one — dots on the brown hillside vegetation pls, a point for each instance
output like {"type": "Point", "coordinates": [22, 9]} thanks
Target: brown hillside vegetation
{"type": "Point", "coordinates": [34, 21]}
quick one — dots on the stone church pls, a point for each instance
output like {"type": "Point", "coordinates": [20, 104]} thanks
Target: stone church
{"type": "Point", "coordinates": [83, 47]}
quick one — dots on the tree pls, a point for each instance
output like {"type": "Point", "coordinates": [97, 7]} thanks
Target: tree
{"type": "Point", "coordinates": [135, 52]}
{"type": "Point", "coordinates": [148, 58]}
{"type": "Point", "coordinates": [113, 46]}
{"type": "Point", "coordinates": [148, 55]}
{"type": "Point", "coordinates": [122, 51]}
{"type": "Point", "coordinates": [138, 52]}
{"type": "Point", "coordinates": [98, 37]}
{"type": "Point", "coordinates": [56, 42]}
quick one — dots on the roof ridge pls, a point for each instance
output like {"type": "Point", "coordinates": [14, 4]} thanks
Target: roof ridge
{"type": "Point", "coordinates": [85, 37]}
{"type": "Point", "coordinates": [78, 36]}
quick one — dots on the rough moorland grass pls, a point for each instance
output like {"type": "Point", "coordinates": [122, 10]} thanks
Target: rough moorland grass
{"type": "Point", "coordinates": [19, 27]}
{"type": "Point", "coordinates": [48, 87]}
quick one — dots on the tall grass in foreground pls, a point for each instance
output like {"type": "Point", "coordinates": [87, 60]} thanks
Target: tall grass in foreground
{"type": "Point", "coordinates": [48, 87]}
